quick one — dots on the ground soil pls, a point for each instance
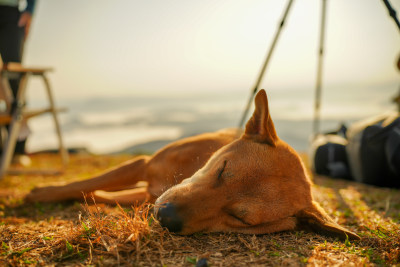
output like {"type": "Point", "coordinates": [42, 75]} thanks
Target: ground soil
{"type": "Point", "coordinates": [79, 234]}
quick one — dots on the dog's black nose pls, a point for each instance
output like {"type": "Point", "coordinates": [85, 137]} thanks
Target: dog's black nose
{"type": "Point", "coordinates": [168, 217]}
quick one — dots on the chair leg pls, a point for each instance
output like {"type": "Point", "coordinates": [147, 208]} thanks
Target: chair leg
{"type": "Point", "coordinates": [15, 125]}
{"type": "Point", "coordinates": [62, 150]}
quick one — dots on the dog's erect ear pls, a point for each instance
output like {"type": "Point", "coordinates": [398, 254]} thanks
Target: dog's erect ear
{"type": "Point", "coordinates": [315, 219]}
{"type": "Point", "coordinates": [260, 126]}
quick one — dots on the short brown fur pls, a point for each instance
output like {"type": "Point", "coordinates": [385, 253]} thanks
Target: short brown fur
{"type": "Point", "coordinates": [254, 184]}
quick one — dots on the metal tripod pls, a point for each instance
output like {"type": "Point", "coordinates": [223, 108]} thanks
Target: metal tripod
{"type": "Point", "coordinates": [318, 86]}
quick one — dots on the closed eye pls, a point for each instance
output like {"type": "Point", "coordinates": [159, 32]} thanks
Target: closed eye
{"type": "Point", "coordinates": [221, 170]}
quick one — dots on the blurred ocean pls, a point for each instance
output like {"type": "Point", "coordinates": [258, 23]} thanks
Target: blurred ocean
{"type": "Point", "coordinates": [144, 123]}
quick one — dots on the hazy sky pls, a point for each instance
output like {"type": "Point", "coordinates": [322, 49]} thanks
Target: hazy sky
{"type": "Point", "coordinates": [129, 47]}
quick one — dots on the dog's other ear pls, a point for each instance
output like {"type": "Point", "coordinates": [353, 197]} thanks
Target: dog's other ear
{"type": "Point", "coordinates": [260, 126]}
{"type": "Point", "coordinates": [315, 219]}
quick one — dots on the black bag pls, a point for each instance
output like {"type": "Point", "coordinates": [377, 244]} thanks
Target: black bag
{"type": "Point", "coordinates": [369, 152]}
{"type": "Point", "coordinates": [330, 156]}
{"type": "Point", "coordinates": [392, 150]}
{"type": "Point", "coordinates": [379, 153]}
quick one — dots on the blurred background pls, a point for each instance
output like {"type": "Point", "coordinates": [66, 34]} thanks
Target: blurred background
{"type": "Point", "coordinates": [146, 72]}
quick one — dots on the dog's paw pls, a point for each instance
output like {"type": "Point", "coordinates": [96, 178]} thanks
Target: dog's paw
{"type": "Point", "coordinates": [45, 194]}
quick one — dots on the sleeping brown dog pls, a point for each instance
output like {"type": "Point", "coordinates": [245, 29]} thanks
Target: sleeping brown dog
{"type": "Point", "coordinates": [254, 184]}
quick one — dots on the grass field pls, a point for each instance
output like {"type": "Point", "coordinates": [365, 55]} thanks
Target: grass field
{"type": "Point", "coordinates": [78, 234]}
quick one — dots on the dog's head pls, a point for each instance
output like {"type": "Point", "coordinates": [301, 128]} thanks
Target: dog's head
{"type": "Point", "coordinates": [256, 185]}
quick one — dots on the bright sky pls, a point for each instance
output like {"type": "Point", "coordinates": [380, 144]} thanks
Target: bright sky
{"type": "Point", "coordinates": [130, 47]}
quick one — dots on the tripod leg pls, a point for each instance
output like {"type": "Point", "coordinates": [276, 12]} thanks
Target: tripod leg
{"type": "Point", "coordinates": [392, 12]}
{"type": "Point", "coordinates": [318, 85]}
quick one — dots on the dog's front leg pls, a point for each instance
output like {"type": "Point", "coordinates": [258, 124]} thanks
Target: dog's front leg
{"type": "Point", "coordinates": [124, 197]}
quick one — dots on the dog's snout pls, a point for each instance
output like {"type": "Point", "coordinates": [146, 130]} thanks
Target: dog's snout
{"type": "Point", "coordinates": [169, 218]}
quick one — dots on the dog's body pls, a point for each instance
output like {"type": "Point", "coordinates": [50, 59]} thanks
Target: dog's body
{"type": "Point", "coordinates": [255, 183]}
{"type": "Point", "coordinates": [166, 168]}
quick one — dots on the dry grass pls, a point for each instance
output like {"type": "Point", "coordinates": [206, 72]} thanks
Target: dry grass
{"type": "Point", "coordinates": [80, 234]}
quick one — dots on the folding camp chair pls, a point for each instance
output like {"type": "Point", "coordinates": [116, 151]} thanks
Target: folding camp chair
{"type": "Point", "coordinates": [14, 114]}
